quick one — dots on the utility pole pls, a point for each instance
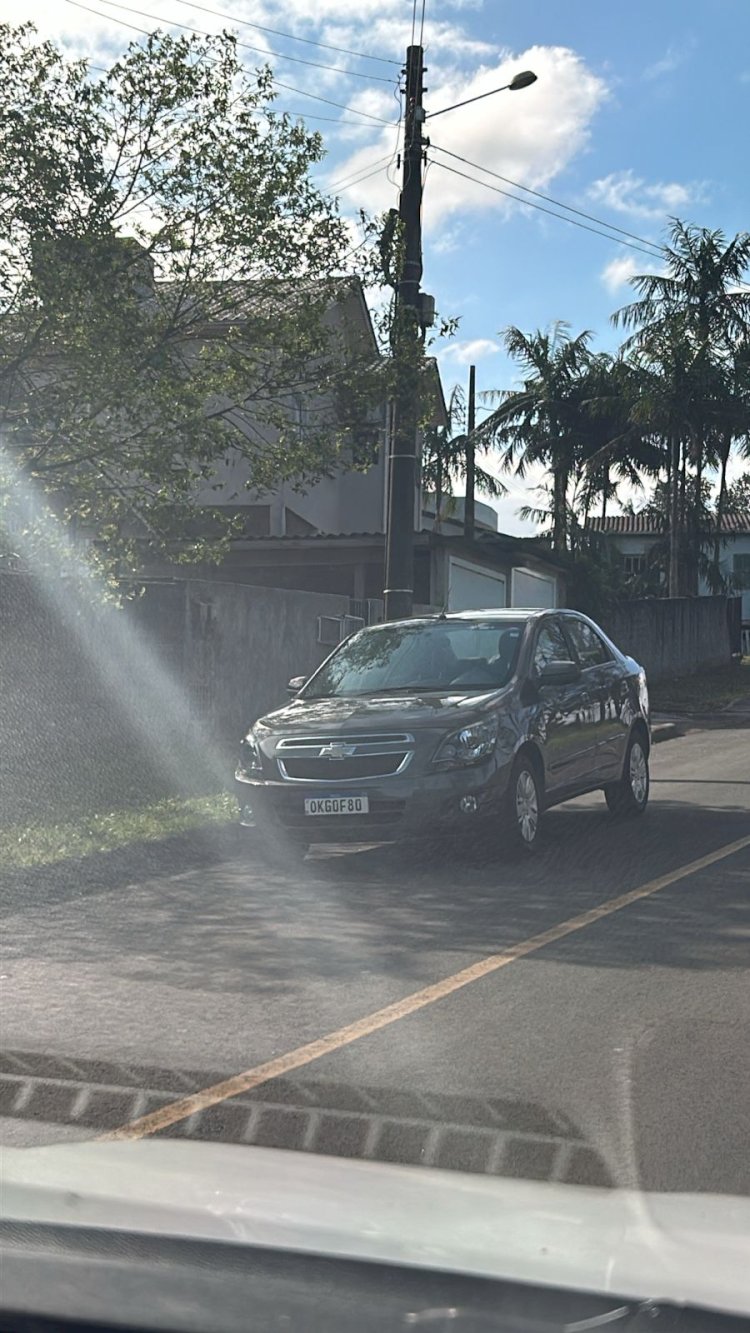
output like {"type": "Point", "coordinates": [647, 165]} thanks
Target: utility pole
{"type": "Point", "coordinates": [407, 352]}
{"type": "Point", "coordinates": [470, 456]}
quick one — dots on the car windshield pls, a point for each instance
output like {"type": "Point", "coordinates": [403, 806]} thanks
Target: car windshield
{"type": "Point", "coordinates": [438, 656]}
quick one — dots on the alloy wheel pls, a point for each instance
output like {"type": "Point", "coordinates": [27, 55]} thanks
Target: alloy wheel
{"type": "Point", "coordinates": [527, 806]}
{"type": "Point", "coordinates": [638, 773]}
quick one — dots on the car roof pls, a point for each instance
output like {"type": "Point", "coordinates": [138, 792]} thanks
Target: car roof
{"type": "Point", "coordinates": [496, 613]}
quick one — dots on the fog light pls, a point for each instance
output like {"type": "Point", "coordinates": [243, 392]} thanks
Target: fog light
{"type": "Point", "coordinates": [468, 805]}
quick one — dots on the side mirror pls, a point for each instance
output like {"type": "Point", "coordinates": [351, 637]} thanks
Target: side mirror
{"type": "Point", "coordinates": [295, 685]}
{"type": "Point", "coordinates": [559, 673]}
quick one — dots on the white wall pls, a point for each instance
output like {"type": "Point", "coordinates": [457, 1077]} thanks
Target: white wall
{"type": "Point", "coordinates": [528, 587]}
{"type": "Point", "coordinates": [739, 545]}
{"type": "Point", "coordinates": [473, 587]}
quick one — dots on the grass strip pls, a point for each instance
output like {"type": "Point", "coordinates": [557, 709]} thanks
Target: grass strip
{"type": "Point", "coordinates": [36, 844]}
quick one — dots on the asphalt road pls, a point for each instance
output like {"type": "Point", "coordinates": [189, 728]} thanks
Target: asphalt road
{"type": "Point", "coordinates": [615, 1052]}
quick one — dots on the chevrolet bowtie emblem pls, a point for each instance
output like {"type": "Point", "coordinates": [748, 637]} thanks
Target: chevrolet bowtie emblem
{"type": "Point", "coordinates": [336, 750]}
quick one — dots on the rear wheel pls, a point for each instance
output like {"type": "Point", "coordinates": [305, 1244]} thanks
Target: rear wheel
{"type": "Point", "coordinates": [523, 807]}
{"type": "Point", "coordinates": [629, 796]}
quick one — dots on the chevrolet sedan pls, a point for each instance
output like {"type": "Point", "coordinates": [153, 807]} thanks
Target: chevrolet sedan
{"type": "Point", "coordinates": [471, 722]}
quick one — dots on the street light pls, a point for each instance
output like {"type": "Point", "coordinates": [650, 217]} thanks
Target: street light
{"type": "Point", "coordinates": [412, 302]}
{"type": "Point", "coordinates": [522, 80]}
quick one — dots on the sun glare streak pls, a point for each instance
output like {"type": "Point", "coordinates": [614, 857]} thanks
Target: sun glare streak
{"type": "Point", "coordinates": [139, 684]}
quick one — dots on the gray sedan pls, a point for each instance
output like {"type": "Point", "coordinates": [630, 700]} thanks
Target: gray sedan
{"type": "Point", "coordinates": [476, 721]}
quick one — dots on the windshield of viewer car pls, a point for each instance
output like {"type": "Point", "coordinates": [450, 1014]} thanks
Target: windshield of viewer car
{"type": "Point", "coordinates": [477, 655]}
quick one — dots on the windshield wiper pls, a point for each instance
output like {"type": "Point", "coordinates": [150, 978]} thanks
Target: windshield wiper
{"type": "Point", "coordinates": [411, 689]}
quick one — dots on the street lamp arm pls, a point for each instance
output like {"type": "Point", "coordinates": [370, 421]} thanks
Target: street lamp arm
{"type": "Point", "coordinates": [519, 81]}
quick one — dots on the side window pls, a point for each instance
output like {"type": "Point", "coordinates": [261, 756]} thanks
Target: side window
{"type": "Point", "coordinates": [590, 648]}
{"type": "Point", "coordinates": [551, 646]}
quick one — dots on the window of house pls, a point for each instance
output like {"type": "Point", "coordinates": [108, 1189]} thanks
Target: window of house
{"type": "Point", "coordinates": [633, 564]}
{"type": "Point", "coordinates": [591, 650]}
{"type": "Point", "coordinates": [741, 570]}
{"type": "Point", "coordinates": [551, 646]}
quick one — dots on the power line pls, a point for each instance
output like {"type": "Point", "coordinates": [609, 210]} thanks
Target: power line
{"type": "Point", "coordinates": [379, 120]}
{"type": "Point", "coordinates": [371, 167]}
{"type": "Point", "coordinates": [258, 50]}
{"type": "Point", "coordinates": [608, 236]}
{"type": "Point", "coordinates": [288, 86]}
{"type": "Point", "coordinates": [421, 25]}
{"type": "Point", "coordinates": [289, 36]}
{"type": "Point", "coordinates": [360, 180]}
{"type": "Point", "coordinates": [527, 190]}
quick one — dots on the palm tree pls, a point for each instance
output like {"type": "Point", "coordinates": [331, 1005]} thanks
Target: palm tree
{"type": "Point", "coordinates": [733, 427]}
{"type": "Point", "coordinates": [444, 458]}
{"type": "Point", "coordinates": [692, 317]}
{"type": "Point", "coordinates": [544, 420]}
{"type": "Point", "coordinates": [617, 447]}
{"type": "Point", "coordinates": [669, 408]}
{"type": "Point", "coordinates": [704, 283]}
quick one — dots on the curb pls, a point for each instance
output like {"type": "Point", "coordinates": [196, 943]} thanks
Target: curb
{"type": "Point", "coordinates": [666, 731]}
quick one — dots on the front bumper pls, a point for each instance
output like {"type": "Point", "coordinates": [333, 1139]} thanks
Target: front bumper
{"type": "Point", "coordinates": [402, 806]}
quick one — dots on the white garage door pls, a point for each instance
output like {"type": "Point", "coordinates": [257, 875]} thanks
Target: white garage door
{"type": "Point", "coordinates": [527, 588]}
{"type": "Point", "coordinates": [473, 588]}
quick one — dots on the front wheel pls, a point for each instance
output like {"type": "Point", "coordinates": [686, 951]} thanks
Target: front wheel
{"type": "Point", "coordinates": [629, 796]}
{"type": "Point", "coordinates": [523, 807]}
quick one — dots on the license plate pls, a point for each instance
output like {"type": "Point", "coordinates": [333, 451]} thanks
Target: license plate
{"type": "Point", "coordinates": [337, 805]}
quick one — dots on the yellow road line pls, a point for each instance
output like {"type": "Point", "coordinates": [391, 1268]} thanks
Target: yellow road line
{"type": "Point", "coordinates": [173, 1113]}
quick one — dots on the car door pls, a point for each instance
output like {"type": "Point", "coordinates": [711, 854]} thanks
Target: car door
{"type": "Point", "coordinates": [602, 677]}
{"type": "Point", "coordinates": [561, 710]}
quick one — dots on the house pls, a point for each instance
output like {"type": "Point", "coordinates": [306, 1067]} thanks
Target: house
{"type": "Point", "coordinates": [492, 570]}
{"type": "Point", "coordinates": [329, 537]}
{"type": "Point", "coordinates": [636, 535]}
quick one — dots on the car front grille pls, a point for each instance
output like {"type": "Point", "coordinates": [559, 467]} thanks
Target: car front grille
{"type": "Point", "coordinates": [335, 759]}
{"type": "Point", "coordinates": [360, 766]}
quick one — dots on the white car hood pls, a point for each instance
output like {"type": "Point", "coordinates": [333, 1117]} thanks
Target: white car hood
{"type": "Point", "coordinates": [685, 1248]}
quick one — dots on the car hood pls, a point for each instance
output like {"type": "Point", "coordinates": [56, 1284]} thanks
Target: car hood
{"type": "Point", "coordinates": [379, 712]}
{"type": "Point", "coordinates": [682, 1248]}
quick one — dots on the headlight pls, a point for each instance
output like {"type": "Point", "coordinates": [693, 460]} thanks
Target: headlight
{"type": "Point", "coordinates": [250, 761]}
{"type": "Point", "coordinates": [468, 746]}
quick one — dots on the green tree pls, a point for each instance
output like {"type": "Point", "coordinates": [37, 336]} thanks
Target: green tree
{"type": "Point", "coordinates": [545, 420]}
{"type": "Point", "coordinates": [693, 316]}
{"type": "Point", "coordinates": [444, 459]}
{"type": "Point", "coordinates": [617, 449]}
{"type": "Point", "coordinates": [167, 276]}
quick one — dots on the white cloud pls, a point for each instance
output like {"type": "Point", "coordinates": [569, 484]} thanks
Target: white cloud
{"type": "Point", "coordinates": [466, 352]}
{"type": "Point", "coordinates": [529, 136]}
{"type": "Point", "coordinates": [674, 56]}
{"type": "Point", "coordinates": [624, 192]}
{"type": "Point", "coordinates": [618, 272]}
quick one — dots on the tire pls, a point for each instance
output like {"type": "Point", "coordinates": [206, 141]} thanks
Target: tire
{"type": "Point", "coordinates": [629, 796]}
{"type": "Point", "coordinates": [524, 805]}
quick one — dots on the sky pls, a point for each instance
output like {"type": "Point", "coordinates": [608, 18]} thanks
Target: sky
{"type": "Point", "coordinates": [639, 112]}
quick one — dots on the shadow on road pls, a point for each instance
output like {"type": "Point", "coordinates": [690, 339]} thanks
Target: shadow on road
{"type": "Point", "coordinates": [241, 927]}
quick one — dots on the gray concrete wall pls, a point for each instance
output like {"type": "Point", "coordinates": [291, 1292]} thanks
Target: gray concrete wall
{"type": "Point", "coordinates": [673, 636]}
{"type": "Point", "coordinates": [243, 644]}
{"type": "Point", "coordinates": [103, 707]}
